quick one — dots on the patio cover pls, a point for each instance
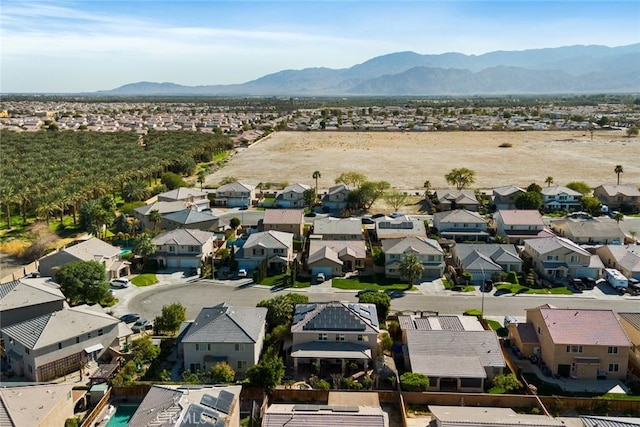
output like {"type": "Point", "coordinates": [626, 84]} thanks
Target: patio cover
{"type": "Point", "coordinates": [331, 350]}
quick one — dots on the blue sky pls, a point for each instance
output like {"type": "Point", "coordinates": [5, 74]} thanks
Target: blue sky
{"type": "Point", "coordinates": [67, 46]}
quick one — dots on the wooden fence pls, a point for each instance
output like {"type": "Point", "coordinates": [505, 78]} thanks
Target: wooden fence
{"type": "Point", "coordinates": [95, 412]}
{"type": "Point", "coordinates": [20, 272]}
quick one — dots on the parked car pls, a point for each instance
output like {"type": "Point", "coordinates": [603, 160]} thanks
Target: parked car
{"type": "Point", "coordinates": [487, 286]}
{"type": "Point", "coordinates": [634, 287]}
{"type": "Point", "coordinates": [577, 286]}
{"type": "Point", "coordinates": [365, 291]}
{"type": "Point", "coordinates": [588, 282]}
{"type": "Point", "coordinates": [130, 317]}
{"type": "Point", "coordinates": [141, 325]}
{"type": "Point", "coordinates": [367, 221]}
{"type": "Point", "coordinates": [122, 282]}
{"type": "Point", "coordinates": [242, 273]}
{"type": "Point", "coordinates": [320, 278]}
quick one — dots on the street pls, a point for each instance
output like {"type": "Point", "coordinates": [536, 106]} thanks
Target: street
{"type": "Point", "coordinates": [194, 295]}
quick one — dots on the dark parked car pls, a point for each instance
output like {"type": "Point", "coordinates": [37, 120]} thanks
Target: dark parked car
{"type": "Point", "coordinates": [130, 317]}
{"type": "Point", "coordinates": [142, 325]}
{"type": "Point", "coordinates": [588, 282]}
{"type": "Point", "coordinates": [577, 286]}
{"type": "Point", "coordinates": [487, 286]}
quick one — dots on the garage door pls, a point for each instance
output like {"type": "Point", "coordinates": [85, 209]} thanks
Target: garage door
{"type": "Point", "coordinates": [173, 263]}
{"type": "Point", "coordinates": [328, 272]}
{"type": "Point", "coordinates": [189, 263]}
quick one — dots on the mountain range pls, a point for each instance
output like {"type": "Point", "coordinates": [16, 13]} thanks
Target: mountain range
{"type": "Point", "coordinates": [562, 70]}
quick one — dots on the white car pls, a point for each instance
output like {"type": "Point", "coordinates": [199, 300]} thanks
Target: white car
{"type": "Point", "coordinates": [121, 282]}
{"type": "Point", "coordinates": [242, 273]}
{"type": "Point", "coordinates": [320, 278]}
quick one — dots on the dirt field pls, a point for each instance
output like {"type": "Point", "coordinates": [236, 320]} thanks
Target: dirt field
{"type": "Point", "coordinates": [406, 160]}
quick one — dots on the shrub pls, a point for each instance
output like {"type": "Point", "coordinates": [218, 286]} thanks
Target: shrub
{"type": "Point", "coordinates": [366, 382]}
{"type": "Point", "coordinates": [222, 373]}
{"type": "Point", "coordinates": [349, 383]}
{"type": "Point", "coordinates": [505, 145]}
{"type": "Point", "coordinates": [412, 381]}
{"type": "Point", "coordinates": [508, 382]}
{"type": "Point", "coordinates": [172, 180]}
{"type": "Point", "coordinates": [512, 277]}
{"type": "Point", "coordinates": [319, 383]}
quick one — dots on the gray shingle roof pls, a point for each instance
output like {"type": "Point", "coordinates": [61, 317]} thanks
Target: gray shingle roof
{"type": "Point", "coordinates": [183, 236]}
{"type": "Point", "coordinates": [421, 245]}
{"type": "Point", "coordinates": [337, 226]}
{"type": "Point", "coordinates": [335, 316]}
{"type": "Point", "coordinates": [556, 190]}
{"type": "Point", "coordinates": [183, 193]}
{"type": "Point", "coordinates": [189, 216]}
{"type": "Point", "coordinates": [461, 216]}
{"type": "Point", "coordinates": [545, 245]}
{"type": "Point", "coordinates": [270, 239]}
{"type": "Point", "coordinates": [228, 324]}
{"type": "Point", "coordinates": [591, 227]}
{"type": "Point", "coordinates": [236, 187]}
{"type": "Point", "coordinates": [27, 292]}
{"type": "Point", "coordinates": [489, 256]}
{"type": "Point", "coordinates": [162, 207]}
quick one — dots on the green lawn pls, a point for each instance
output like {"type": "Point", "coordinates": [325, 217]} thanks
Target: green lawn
{"type": "Point", "coordinates": [495, 325]}
{"type": "Point", "coordinates": [278, 280]}
{"type": "Point", "coordinates": [519, 289]}
{"type": "Point", "coordinates": [369, 282]}
{"type": "Point", "coordinates": [145, 280]}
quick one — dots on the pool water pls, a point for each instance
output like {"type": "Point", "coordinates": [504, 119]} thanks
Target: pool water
{"type": "Point", "coordinates": [122, 415]}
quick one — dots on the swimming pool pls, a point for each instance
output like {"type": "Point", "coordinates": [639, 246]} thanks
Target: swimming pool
{"type": "Point", "coordinates": [122, 415]}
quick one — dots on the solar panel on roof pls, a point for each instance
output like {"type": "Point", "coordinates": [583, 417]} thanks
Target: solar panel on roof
{"type": "Point", "coordinates": [225, 400]}
{"type": "Point", "coordinates": [208, 400]}
{"type": "Point", "coordinates": [335, 408]}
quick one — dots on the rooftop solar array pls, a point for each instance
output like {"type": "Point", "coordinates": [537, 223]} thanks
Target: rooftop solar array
{"type": "Point", "coordinates": [332, 408]}
{"type": "Point", "coordinates": [335, 319]}
{"type": "Point", "coordinates": [199, 416]}
{"type": "Point", "coordinates": [301, 311]}
{"type": "Point", "coordinates": [364, 311]}
{"type": "Point", "coordinates": [450, 323]}
{"type": "Point", "coordinates": [404, 225]}
{"type": "Point", "coordinates": [221, 403]}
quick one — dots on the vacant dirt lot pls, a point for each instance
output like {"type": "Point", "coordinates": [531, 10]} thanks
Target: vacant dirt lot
{"type": "Point", "coordinates": [406, 160]}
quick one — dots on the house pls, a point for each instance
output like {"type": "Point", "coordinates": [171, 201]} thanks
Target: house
{"type": "Point", "coordinates": [560, 198]}
{"type": "Point", "coordinates": [285, 220]}
{"type": "Point", "coordinates": [398, 228]}
{"type": "Point", "coordinates": [626, 259]}
{"type": "Point", "coordinates": [486, 261]}
{"type": "Point", "coordinates": [235, 195]}
{"type": "Point", "coordinates": [296, 415]}
{"type": "Point", "coordinates": [429, 251]}
{"type": "Point", "coordinates": [336, 198]}
{"type": "Point", "coordinates": [583, 344]}
{"type": "Point", "coordinates": [40, 405]}
{"type": "Point", "coordinates": [54, 344]}
{"type": "Point", "coordinates": [292, 196]}
{"type": "Point", "coordinates": [183, 248]}
{"type": "Point", "coordinates": [334, 333]}
{"type": "Point", "coordinates": [457, 354]}
{"type": "Point", "coordinates": [142, 213]}
{"type": "Point", "coordinates": [557, 259]}
{"type": "Point", "coordinates": [194, 199]}
{"type": "Point", "coordinates": [194, 220]}
{"type": "Point", "coordinates": [458, 199]}
{"type": "Point", "coordinates": [27, 298]}
{"type": "Point", "coordinates": [224, 333]}
{"type": "Point", "coordinates": [187, 405]}
{"type": "Point", "coordinates": [338, 228]}
{"type": "Point", "coordinates": [455, 416]}
{"type": "Point", "coordinates": [273, 247]}
{"type": "Point", "coordinates": [623, 197]}
{"type": "Point", "coordinates": [583, 228]}
{"type": "Point", "coordinates": [504, 198]}
{"type": "Point", "coordinates": [518, 225]}
{"type": "Point", "coordinates": [461, 225]}
{"type": "Point", "coordinates": [630, 322]}
{"type": "Point", "coordinates": [335, 257]}
{"type": "Point", "coordinates": [88, 250]}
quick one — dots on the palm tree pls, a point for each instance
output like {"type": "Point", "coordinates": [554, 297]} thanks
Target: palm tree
{"type": "Point", "coordinates": [144, 247]}
{"type": "Point", "coordinates": [155, 217]}
{"type": "Point", "coordinates": [411, 268]}
{"type": "Point", "coordinates": [618, 170]}
{"type": "Point", "coordinates": [202, 177]}
{"type": "Point", "coordinates": [618, 217]}
{"type": "Point", "coordinates": [8, 196]}
{"type": "Point", "coordinates": [549, 181]}
{"type": "Point", "coordinates": [427, 189]}
{"type": "Point", "coordinates": [316, 175]}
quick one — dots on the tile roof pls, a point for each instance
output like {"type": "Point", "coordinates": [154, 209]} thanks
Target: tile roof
{"type": "Point", "coordinates": [545, 245]}
{"type": "Point", "coordinates": [626, 256]}
{"type": "Point", "coordinates": [337, 226]}
{"type": "Point", "coordinates": [236, 187]}
{"type": "Point", "coordinates": [556, 190]}
{"type": "Point", "coordinates": [335, 316]}
{"type": "Point", "coordinates": [632, 318]}
{"type": "Point", "coordinates": [224, 323]}
{"type": "Point", "coordinates": [283, 216]}
{"type": "Point", "coordinates": [450, 416]}
{"type": "Point", "coordinates": [162, 207]}
{"type": "Point", "coordinates": [183, 237]}
{"type": "Point", "coordinates": [527, 333]}
{"type": "Point", "coordinates": [54, 327]}
{"type": "Point", "coordinates": [583, 326]}
{"type": "Point", "coordinates": [322, 253]}
{"type": "Point", "coordinates": [520, 217]}
{"type": "Point", "coordinates": [270, 239]}
{"type": "Point", "coordinates": [421, 245]}
{"type": "Point", "coordinates": [89, 250]}
{"type": "Point", "coordinates": [489, 255]}
{"type": "Point", "coordinates": [28, 292]}
{"type": "Point", "coordinates": [355, 248]}
{"type": "Point", "coordinates": [297, 415]}
{"type": "Point", "coordinates": [462, 216]}
{"type": "Point", "coordinates": [624, 190]}
{"type": "Point", "coordinates": [189, 216]}
{"type": "Point", "coordinates": [183, 193]}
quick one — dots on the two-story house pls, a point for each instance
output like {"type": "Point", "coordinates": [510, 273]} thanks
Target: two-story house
{"type": "Point", "coordinates": [338, 228]}
{"type": "Point", "coordinates": [557, 258]}
{"type": "Point", "coordinates": [583, 228]}
{"type": "Point", "coordinates": [54, 344]}
{"type": "Point", "coordinates": [224, 333]}
{"type": "Point", "coordinates": [582, 344]}
{"type": "Point", "coordinates": [504, 197]}
{"type": "Point", "coordinates": [336, 198]}
{"type": "Point", "coordinates": [623, 197]}
{"type": "Point", "coordinates": [292, 196]}
{"type": "Point", "coordinates": [285, 220]}
{"type": "Point", "coordinates": [457, 199]}
{"type": "Point", "coordinates": [485, 262]}
{"type": "Point", "coordinates": [87, 250]}
{"type": "Point", "coordinates": [518, 225]}
{"type": "Point", "coordinates": [461, 225]}
{"type": "Point", "coordinates": [335, 257]}
{"type": "Point", "coordinates": [626, 259]}
{"type": "Point", "coordinates": [429, 252]}
{"type": "Point", "coordinates": [558, 197]}
{"type": "Point", "coordinates": [142, 214]}
{"type": "Point", "coordinates": [183, 248]}
{"type": "Point", "coordinates": [193, 219]}
{"type": "Point", "coordinates": [27, 298]}
{"type": "Point", "coordinates": [334, 333]}
{"type": "Point", "coordinates": [193, 198]}
{"type": "Point", "coordinates": [275, 248]}
{"type": "Point", "coordinates": [235, 195]}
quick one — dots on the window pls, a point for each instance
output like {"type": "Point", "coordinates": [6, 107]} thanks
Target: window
{"type": "Point", "coordinates": [574, 349]}
{"type": "Point", "coordinates": [539, 330]}
{"type": "Point", "coordinates": [26, 350]}
{"type": "Point", "coordinates": [59, 346]}
{"type": "Point", "coordinates": [11, 341]}
{"type": "Point", "coordinates": [323, 337]}
{"type": "Point", "coordinates": [172, 248]}
{"type": "Point", "coordinates": [613, 367]}
{"type": "Point", "coordinates": [30, 369]}
{"type": "Point", "coordinates": [77, 340]}
{"type": "Point", "coordinates": [360, 337]}
{"type": "Point", "coordinates": [339, 337]}
{"type": "Point", "coordinates": [242, 364]}
{"type": "Point", "coordinates": [100, 332]}
{"type": "Point", "coordinates": [193, 249]}
{"type": "Point", "coordinates": [239, 347]}
{"type": "Point", "coordinates": [612, 350]}
{"type": "Point", "coordinates": [194, 367]}
{"type": "Point", "coordinates": [573, 259]}
{"type": "Point", "coordinates": [89, 336]}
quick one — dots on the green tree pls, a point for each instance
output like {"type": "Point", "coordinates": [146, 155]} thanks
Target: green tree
{"type": "Point", "coordinates": [143, 246]}
{"type": "Point", "coordinates": [413, 381]}
{"type": "Point", "coordinates": [381, 300]}
{"type": "Point", "coordinates": [155, 217]}
{"type": "Point", "coordinates": [121, 224]}
{"type": "Point", "coordinates": [507, 382]}
{"type": "Point", "coordinates": [202, 177]}
{"type": "Point", "coordinates": [535, 188]}
{"type": "Point", "coordinates": [351, 179]}
{"type": "Point", "coordinates": [411, 268]}
{"type": "Point", "coordinates": [632, 131]}
{"type": "Point", "coordinates": [618, 217]}
{"type": "Point", "coordinates": [234, 223]}
{"type": "Point", "coordinates": [591, 204]}
{"type": "Point", "coordinates": [222, 373]}
{"type": "Point", "coordinates": [83, 281]}
{"type": "Point", "coordinates": [171, 318]}
{"type": "Point", "coordinates": [618, 170]}
{"type": "Point", "coordinates": [280, 309]}
{"type": "Point", "coordinates": [530, 200]}
{"type": "Point", "coordinates": [144, 350]}
{"type": "Point", "coordinates": [135, 191]}
{"type": "Point", "coordinates": [366, 195]}
{"type": "Point", "coordinates": [548, 180]}
{"type": "Point", "coordinates": [228, 180]}
{"type": "Point", "coordinates": [580, 187]}
{"type": "Point", "coordinates": [93, 217]}
{"type": "Point", "coordinates": [395, 198]}
{"type": "Point", "coordinates": [316, 175]}
{"type": "Point", "coordinates": [268, 373]}
{"type": "Point", "coordinates": [461, 177]}
{"type": "Point", "coordinates": [172, 180]}
{"type": "Point", "coordinates": [309, 197]}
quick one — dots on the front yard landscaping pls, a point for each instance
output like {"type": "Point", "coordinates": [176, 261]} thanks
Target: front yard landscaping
{"type": "Point", "coordinates": [510, 288]}
{"type": "Point", "coordinates": [377, 282]}
{"type": "Point", "coordinates": [279, 279]}
{"type": "Point", "coordinates": [144, 280]}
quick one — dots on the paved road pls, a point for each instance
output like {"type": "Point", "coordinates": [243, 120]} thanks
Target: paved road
{"type": "Point", "coordinates": [197, 294]}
